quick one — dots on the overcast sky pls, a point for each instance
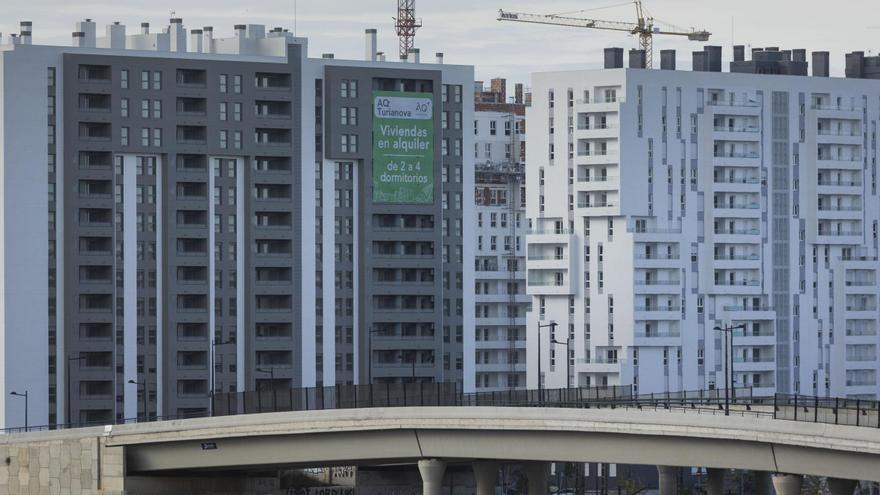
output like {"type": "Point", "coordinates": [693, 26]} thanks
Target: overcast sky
{"type": "Point", "coordinates": [468, 33]}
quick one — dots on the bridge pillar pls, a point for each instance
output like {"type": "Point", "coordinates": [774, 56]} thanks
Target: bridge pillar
{"type": "Point", "coordinates": [486, 476]}
{"type": "Point", "coordinates": [787, 484]}
{"type": "Point", "coordinates": [432, 471]}
{"type": "Point", "coordinates": [715, 481]}
{"type": "Point", "coordinates": [762, 482]}
{"type": "Point", "coordinates": [667, 480]}
{"type": "Point", "coordinates": [537, 473]}
{"type": "Point", "coordinates": [839, 486]}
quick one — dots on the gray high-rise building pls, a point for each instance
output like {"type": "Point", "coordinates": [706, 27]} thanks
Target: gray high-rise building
{"type": "Point", "coordinates": [181, 210]}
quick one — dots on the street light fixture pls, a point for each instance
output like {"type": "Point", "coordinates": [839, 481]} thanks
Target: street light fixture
{"type": "Point", "coordinates": [144, 385]}
{"type": "Point", "coordinates": [214, 345]}
{"type": "Point", "coordinates": [370, 333]}
{"type": "Point", "coordinates": [25, 395]}
{"type": "Point", "coordinates": [68, 390]}
{"type": "Point", "coordinates": [567, 345]}
{"type": "Point", "coordinates": [728, 368]}
{"type": "Point", "coordinates": [271, 372]}
{"type": "Point", "coordinates": [552, 325]}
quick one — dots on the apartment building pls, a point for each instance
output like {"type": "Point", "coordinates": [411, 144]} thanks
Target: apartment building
{"type": "Point", "coordinates": [185, 214]}
{"type": "Point", "coordinates": [669, 202]}
{"type": "Point", "coordinates": [500, 297]}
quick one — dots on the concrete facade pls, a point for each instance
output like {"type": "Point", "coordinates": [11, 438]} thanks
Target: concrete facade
{"type": "Point", "coordinates": [500, 299]}
{"type": "Point", "coordinates": [679, 201]}
{"type": "Point", "coordinates": [178, 198]}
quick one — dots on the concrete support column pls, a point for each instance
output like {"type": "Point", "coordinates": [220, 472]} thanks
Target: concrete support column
{"type": "Point", "coordinates": [839, 486]}
{"type": "Point", "coordinates": [787, 484]}
{"type": "Point", "coordinates": [537, 474]}
{"type": "Point", "coordinates": [432, 471]}
{"type": "Point", "coordinates": [715, 481]}
{"type": "Point", "coordinates": [667, 480]}
{"type": "Point", "coordinates": [762, 483]}
{"type": "Point", "coordinates": [486, 477]}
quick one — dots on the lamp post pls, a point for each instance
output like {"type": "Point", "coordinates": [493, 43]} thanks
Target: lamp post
{"type": "Point", "coordinates": [271, 372]}
{"type": "Point", "coordinates": [67, 390]}
{"type": "Point", "coordinates": [214, 345]}
{"type": "Point", "coordinates": [552, 325]}
{"type": "Point", "coordinates": [25, 395]}
{"type": "Point", "coordinates": [144, 385]}
{"type": "Point", "coordinates": [370, 333]}
{"type": "Point", "coordinates": [728, 368]}
{"type": "Point", "coordinates": [567, 345]}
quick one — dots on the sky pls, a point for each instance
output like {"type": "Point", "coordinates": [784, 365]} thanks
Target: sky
{"type": "Point", "coordinates": [468, 33]}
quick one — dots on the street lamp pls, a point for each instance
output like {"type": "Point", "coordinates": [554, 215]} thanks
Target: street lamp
{"type": "Point", "coordinates": [271, 372]}
{"type": "Point", "coordinates": [728, 368]}
{"type": "Point", "coordinates": [67, 392]}
{"type": "Point", "coordinates": [370, 333]}
{"type": "Point", "coordinates": [144, 385]}
{"type": "Point", "coordinates": [25, 395]}
{"type": "Point", "coordinates": [214, 345]}
{"type": "Point", "coordinates": [552, 325]}
{"type": "Point", "coordinates": [567, 345]}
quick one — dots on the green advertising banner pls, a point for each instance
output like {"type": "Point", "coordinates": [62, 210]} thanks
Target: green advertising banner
{"type": "Point", "coordinates": [403, 147]}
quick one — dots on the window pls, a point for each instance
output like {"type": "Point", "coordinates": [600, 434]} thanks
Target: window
{"type": "Point", "coordinates": [236, 112]}
{"type": "Point", "coordinates": [348, 143]}
{"type": "Point", "coordinates": [348, 115]}
{"type": "Point", "coordinates": [493, 128]}
{"type": "Point", "coordinates": [157, 109]}
{"type": "Point", "coordinates": [145, 137]}
{"type": "Point", "coordinates": [157, 80]}
{"type": "Point", "coordinates": [145, 109]}
{"type": "Point", "coordinates": [123, 136]}
{"type": "Point", "coordinates": [145, 79]}
{"type": "Point", "coordinates": [123, 79]}
{"type": "Point", "coordinates": [223, 110]}
{"type": "Point", "coordinates": [236, 140]}
{"type": "Point", "coordinates": [123, 107]}
{"type": "Point", "coordinates": [457, 93]}
{"type": "Point", "coordinates": [348, 89]}
{"type": "Point", "coordinates": [223, 83]}
{"type": "Point", "coordinates": [224, 138]}
{"type": "Point", "coordinates": [157, 138]}
{"type": "Point", "coordinates": [236, 84]}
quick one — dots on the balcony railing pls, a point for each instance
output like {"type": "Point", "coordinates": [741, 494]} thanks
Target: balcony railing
{"type": "Point", "coordinates": [737, 180]}
{"type": "Point", "coordinates": [737, 129]}
{"type": "Point", "coordinates": [847, 108]}
{"type": "Point", "coordinates": [735, 154]}
{"type": "Point", "coordinates": [847, 183]}
{"type": "Point", "coordinates": [596, 205]}
{"type": "Point", "coordinates": [740, 283]}
{"type": "Point", "coordinates": [657, 308]}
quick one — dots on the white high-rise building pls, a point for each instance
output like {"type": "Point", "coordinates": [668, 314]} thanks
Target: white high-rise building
{"type": "Point", "coordinates": [500, 299]}
{"type": "Point", "coordinates": [665, 203]}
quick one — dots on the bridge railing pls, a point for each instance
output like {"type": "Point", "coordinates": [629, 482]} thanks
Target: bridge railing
{"type": "Point", "coordinates": [843, 411]}
{"type": "Point", "coordinates": [828, 410]}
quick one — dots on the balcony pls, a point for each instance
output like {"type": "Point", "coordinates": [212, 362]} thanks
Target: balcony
{"type": "Point", "coordinates": [733, 102]}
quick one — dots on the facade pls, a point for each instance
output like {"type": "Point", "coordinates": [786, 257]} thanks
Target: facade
{"type": "Point", "coordinates": [500, 297]}
{"type": "Point", "coordinates": [201, 211]}
{"type": "Point", "coordinates": [667, 203]}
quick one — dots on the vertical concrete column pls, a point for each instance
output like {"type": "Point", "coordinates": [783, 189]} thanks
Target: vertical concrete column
{"type": "Point", "coordinates": [486, 477]}
{"type": "Point", "coordinates": [537, 474]}
{"type": "Point", "coordinates": [762, 483]}
{"type": "Point", "coordinates": [839, 486]}
{"type": "Point", "coordinates": [432, 471]}
{"type": "Point", "coordinates": [787, 484]}
{"type": "Point", "coordinates": [715, 481]}
{"type": "Point", "coordinates": [667, 480]}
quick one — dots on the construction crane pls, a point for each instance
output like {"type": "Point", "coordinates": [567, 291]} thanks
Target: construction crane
{"type": "Point", "coordinates": [406, 25]}
{"type": "Point", "coordinates": [644, 26]}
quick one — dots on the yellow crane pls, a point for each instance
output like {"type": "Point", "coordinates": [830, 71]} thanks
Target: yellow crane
{"type": "Point", "coordinates": [643, 27]}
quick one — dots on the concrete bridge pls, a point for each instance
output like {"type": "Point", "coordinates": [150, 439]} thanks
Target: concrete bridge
{"type": "Point", "coordinates": [127, 457]}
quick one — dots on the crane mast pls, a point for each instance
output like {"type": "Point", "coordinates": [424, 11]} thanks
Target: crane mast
{"type": "Point", "coordinates": [406, 24]}
{"type": "Point", "coordinates": [643, 27]}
